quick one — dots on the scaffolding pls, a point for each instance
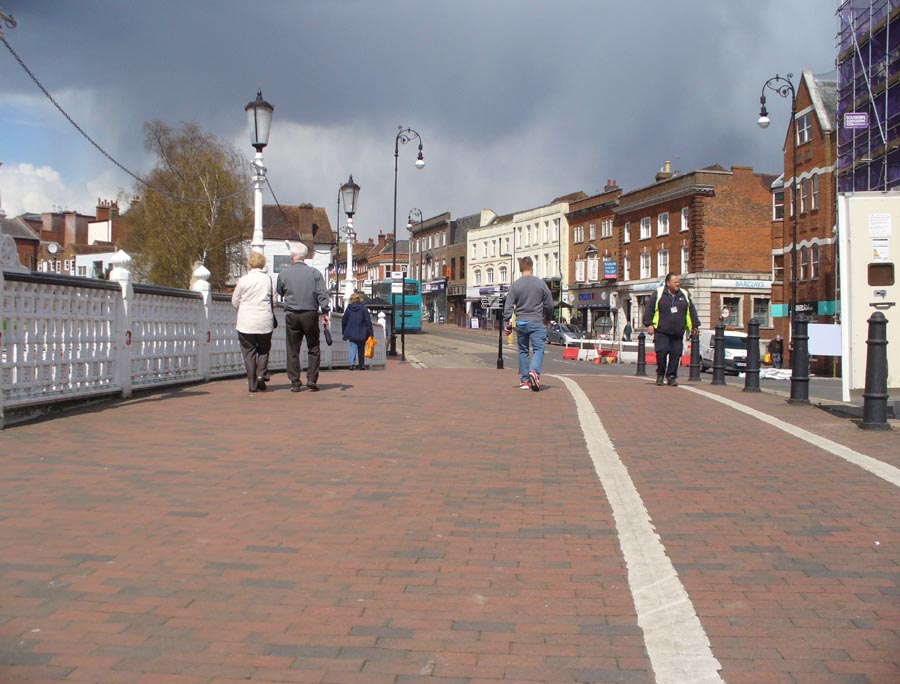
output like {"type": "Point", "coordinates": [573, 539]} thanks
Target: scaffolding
{"type": "Point", "coordinates": [869, 82]}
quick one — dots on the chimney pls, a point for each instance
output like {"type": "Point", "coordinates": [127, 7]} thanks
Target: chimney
{"type": "Point", "coordinates": [665, 172]}
{"type": "Point", "coordinates": [611, 185]}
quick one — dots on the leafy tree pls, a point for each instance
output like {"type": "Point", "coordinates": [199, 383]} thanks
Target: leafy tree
{"type": "Point", "coordinates": [193, 208]}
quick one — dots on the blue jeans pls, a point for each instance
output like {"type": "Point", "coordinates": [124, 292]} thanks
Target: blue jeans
{"type": "Point", "coordinates": [536, 334]}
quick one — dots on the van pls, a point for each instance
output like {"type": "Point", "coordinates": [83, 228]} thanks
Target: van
{"type": "Point", "coordinates": [735, 350]}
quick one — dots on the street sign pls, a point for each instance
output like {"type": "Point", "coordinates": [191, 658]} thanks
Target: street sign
{"type": "Point", "coordinates": [397, 287]}
{"type": "Point", "coordinates": [396, 275]}
{"type": "Point", "coordinates": [725, 312]}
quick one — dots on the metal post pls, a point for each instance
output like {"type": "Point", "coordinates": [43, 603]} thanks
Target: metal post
{"type": "Point", "coordinates": [719, 355]}
{"type": "Point", "coordinates": [500, 339]}
{"type": "Point", "coordinates": [642, 355]}
{"type": "Point", "coordinates": [403, 317]}
{"type": "Point", "coordinates": [800, 362]}
{"type": "Point", "coordinates": [751, 375]}
{"type": "Point", "coordinates": [695, 357]}
{"type": "Point", "coordinates": [258, 244]}
{"type": "Point", "coordinates": [875, 396]}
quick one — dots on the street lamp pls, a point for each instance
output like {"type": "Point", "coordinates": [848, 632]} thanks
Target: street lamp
{"type": "Point", "coordinates": [500, 318]}
{"type": "Point", "coordinates": [404, 135]}
{"type": "Point", "coordinates": [799, 375]}
{"type": "Point", "coordinates": [349, 195]}
{"type": "Point", "coordinates": [259, 115]}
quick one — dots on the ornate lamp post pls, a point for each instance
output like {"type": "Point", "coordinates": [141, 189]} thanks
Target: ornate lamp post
{"type": "Point", "coordinates": [350, 196]}
{"type": "Point", "coordinates": [799, 360]}
{"type": "Point", "coordinates": [259, 115]}
{"type": "Point", "coordinates": [404, 135]}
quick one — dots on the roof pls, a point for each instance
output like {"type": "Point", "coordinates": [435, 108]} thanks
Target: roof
{"type": "Point", "coordinates": [18, 229]}
{"type": "Point", "coordinates": [96, 248]}
{"type": "Point", "coordinates": [571, 197]}
{"type": "Point", "coordinates": [823, 93]}
{"type": "Point", "coordinates": [296, 223]}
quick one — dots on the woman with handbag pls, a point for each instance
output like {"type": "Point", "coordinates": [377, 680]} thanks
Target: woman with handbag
{"type": "Point", "coordinates": [356, 326]}
{"type": "Point", "coordinates": [254, 297]}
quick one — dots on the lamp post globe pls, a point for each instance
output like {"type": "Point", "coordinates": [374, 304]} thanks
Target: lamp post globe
{"type": "Point", "coordinates": [259, 116]}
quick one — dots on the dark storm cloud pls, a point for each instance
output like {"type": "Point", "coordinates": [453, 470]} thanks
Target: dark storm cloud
{"type": "Point", "coordinates": [517, 101]}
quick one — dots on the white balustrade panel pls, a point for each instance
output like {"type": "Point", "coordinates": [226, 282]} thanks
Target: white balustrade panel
{"type": "Point", "coordinates": [165, 346]}
{"type": "Point", "coordinates": [225, 357]}
{"type": "Point", "coordinates": [58, 340]}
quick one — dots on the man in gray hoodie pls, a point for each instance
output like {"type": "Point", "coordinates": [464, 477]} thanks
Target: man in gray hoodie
{"type": "Point", "coordinates": [532, 302]}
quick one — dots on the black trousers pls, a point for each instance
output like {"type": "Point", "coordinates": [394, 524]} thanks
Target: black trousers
{"type": "Point", "coordinates": [668, 350]}
{"type": "Point", "coordinates": [297, 327]}
{"type": "Point", "coordinates": [255, 347]}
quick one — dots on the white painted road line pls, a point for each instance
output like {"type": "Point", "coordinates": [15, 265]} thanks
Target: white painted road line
{"type": "Point", "coordinates": [878, 468]}
{"type": "Point", "coordinates": [677, 645]}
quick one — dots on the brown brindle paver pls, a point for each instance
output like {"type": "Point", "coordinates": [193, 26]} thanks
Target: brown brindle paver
{"type": "Point", "coordinates": [432, 525]}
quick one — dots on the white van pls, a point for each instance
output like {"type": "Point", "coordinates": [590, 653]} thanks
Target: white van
{"type": "Point", "coordinates": [735, 350]}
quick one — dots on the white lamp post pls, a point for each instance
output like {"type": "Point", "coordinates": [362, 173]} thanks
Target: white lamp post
{"type": "Point", "coordinates": [349, 196]}
{"type": "Point", "coordinates": [259, 115]}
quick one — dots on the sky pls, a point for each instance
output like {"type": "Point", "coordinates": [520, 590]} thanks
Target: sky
{"type": "Point", "coordinates": [516, 101]}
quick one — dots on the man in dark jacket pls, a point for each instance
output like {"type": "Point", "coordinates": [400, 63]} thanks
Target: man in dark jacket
{"type": "Point", "coordinates": [668, 316]}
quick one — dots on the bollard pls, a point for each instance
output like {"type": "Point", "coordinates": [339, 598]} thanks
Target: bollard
{"type": "Point", "coordinates": [695, 356]}
{"type": "Point", "coordinates": [800, 362]}
{"type": "Point", "coordinates": [500, 339]}
{"type": "Point", "coordinates": [719, 355]}
{"type": "Point", "coordinates": [642, 355]}
{"type": "Point", "coordinates": [751, 375]}
{"type": "Point", "coordinates": [875, 396]}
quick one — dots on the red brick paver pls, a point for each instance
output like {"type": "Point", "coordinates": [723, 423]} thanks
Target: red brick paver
{"type": "Point", "coordinates": [426, 525]}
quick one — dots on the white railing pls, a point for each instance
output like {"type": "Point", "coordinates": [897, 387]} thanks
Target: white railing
{"type": "Point", "coordinates": [65, 338]}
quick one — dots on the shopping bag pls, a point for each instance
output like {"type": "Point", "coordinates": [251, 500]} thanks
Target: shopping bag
{"type": "Point", "coordinates": [767, 358]}
{"type": "Point", "coordinates": [370, 347]}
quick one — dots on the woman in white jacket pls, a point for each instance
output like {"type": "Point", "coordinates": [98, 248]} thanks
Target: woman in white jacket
{"type": "Point", "coordinates": [253, 297]}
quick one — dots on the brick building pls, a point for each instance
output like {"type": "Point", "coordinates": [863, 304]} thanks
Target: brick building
{"type": "Point", "coordinates": [711, 226]}
{"type": "Point", "coordinates": [429, 261]}
{"type": "Point", "coordinates": [592, 266]}
{"type": "Point", "coordinates": [456, 252]}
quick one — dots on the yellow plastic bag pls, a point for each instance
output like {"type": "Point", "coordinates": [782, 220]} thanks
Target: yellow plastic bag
{"type": "Point", "coordinates": [767, 358]}
{"type": "Point", "coordinates": [512, 335]}
{"type": "Point", "coordinates": [370, 347]}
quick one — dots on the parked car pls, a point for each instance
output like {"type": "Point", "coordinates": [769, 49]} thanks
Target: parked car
{"type": "Point", "coordinates": [564, 334]}
{"type": "Point", "coordinates": [735, 350]}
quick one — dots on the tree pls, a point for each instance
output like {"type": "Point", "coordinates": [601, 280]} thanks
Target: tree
{"type": "Point", "coordinates": [194, 207]}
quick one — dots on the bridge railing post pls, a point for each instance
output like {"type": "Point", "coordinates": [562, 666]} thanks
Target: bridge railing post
{"type": "Point", "coordinates": [200, 283]}
{"type": "Point", "coordinates": [121, 274]}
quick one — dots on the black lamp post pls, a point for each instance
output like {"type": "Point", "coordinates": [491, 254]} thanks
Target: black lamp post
{"type": "Point", "coordinates": [799, 360]}
{"type": "Point", "coordinates": [500, 317]}
{"type": "Point", "coordinates": [404, 135]}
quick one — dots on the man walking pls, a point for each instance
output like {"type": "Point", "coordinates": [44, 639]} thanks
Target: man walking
{"type": "Point", "coordinates": [669, 314]}
{"type": "Point", "coordinates": [530, 299]}
{"type": "Point", "coordinates": [776, 349]}
{"type": "Point", "coordinates": [304, 293]}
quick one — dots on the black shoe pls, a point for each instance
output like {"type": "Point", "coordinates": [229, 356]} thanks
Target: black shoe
{"type": "Point", "coordinates": [266, 377]}
{"type": "Point", "coordinates": [673, 382]}
{"type": "Point", "coordinates": [261, 385]}
{"type": "Point", "coordinates": [296, 387]}
{"type": "Point", "coordinates": [660, 380]}
{"type": "Point", "coordinates": [313, 387]}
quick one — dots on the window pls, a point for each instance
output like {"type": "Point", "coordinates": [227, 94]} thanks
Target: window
{"type": "Point", "coordinates": [645, 265]}
{"type": "Point", "coordinates": [503, 274]}
{"type": "Point", "coordinates": [814, 205]}
{"type": "Point", "coordinates": [804, 128]}
{"type": "Point", "coordinates": [493, 248]}
{"type": "Point", "coordinates": [778, 268]}
{"type": "Point", "coordinates": [685, 259]}
{"type": "Point", "coordinates": [546, 265]}
{"type": "Point", "coordinates": [733, 304]}
{"type": "Point", "coordinates": [804, 195]}
{"type": "Point", "coordinates": [626, 267]}
{"type": "Point", "coordinates": [645, 228]}
{"type": "Point", "coordinates": [484, 249]}
{"type": "Point", "coordinates": [662, 224]}
{"type": "Point", "coordinates": [606, 227]}
{"type": "Point", "coordinates": [443, 239]}
{"type": "Point", "coordinates": [593, 231]}
{"type": "Point", "coordinates": [626, 232]}
{"type": "Point", "coordinates": [579, 233]}
{"type": "Point", "coordinates": [82, 271]}
{"type": "Point", "coordinates": [778, 205]}
{"type": "Point", "coordinates": [477, 277]}
{"type": "Point", "coordinates": [662, 262]}
{"type": "Point", "coordinates": [685, 214]}
{"type": "Point", "coordinates": [804, 263]}
{"type": "Point", "coordinates": [546, 231]}
{"type": "Point", "coordinates": [814, 262]}
{"type": "Point", "coordinates": [490, 276]}
{"type": "Point", "coordinates": [556, 230]}
{"type": "Point", "coordinates": [761, 311]}
{"type": "Point", "coordinates": [474, 251]}
{"type": "Point", "coordinates": [518, 237]}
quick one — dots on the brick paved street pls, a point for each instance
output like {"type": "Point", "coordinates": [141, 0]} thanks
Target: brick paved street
{"type": "Point", "coordinates": [426, 525]}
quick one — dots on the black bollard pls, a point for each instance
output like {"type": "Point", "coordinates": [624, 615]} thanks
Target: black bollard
{"type": "Point", "coordinates": [719, 355]}
{"type": "Point", "coordinates": [642, 355]}
{"type": "Point", "coordinates": [500, 339]}
{"type": "Point", "coordinates": [751, 375]}
{"type": "Point", "coordinates": [875, 396]}
{"type": "Point", "coordinates": [800, 362]}
{"type": "Point", "coordinates": [695, 356]}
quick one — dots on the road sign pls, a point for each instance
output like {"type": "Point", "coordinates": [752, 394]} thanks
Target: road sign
{"type": "Point", "coordinates": [725, 312]}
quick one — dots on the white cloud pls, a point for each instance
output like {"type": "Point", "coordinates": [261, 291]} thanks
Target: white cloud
{"type": "Point", "coordinates": [28, 188]}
